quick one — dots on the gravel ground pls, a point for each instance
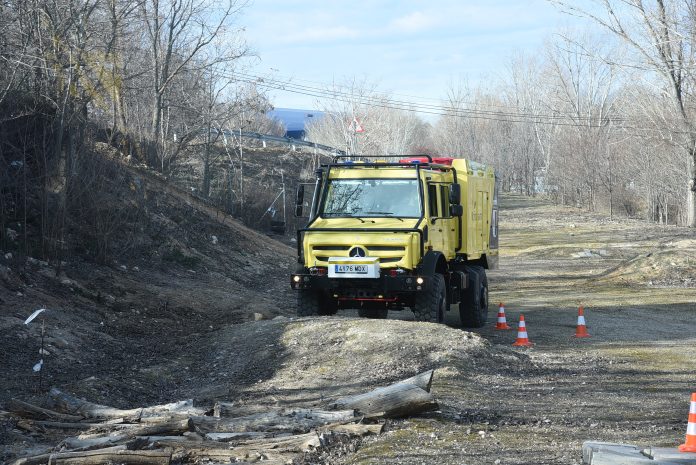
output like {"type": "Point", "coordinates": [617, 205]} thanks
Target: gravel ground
{"type": "Point", "coordinates": [629, 382]}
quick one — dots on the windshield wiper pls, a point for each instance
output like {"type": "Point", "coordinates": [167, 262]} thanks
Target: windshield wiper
{"type": "Point", "coordinates": [386, 214]}
{"type": "Point", "coordinates": [340, 215]}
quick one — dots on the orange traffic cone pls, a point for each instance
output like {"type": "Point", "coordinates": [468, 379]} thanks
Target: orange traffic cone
{"type": "Point", "coordinates": [502, 323]}
{"type": "Point", "coordinates": [690, 444]}
{"type": "Point", "coordinates": [581, 330]}
{"type": "Point", "coordinates": [522, 339]}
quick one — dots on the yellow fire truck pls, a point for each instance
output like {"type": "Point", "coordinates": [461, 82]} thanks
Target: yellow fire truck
{"type": "Point", "coordinates": [415, 232]}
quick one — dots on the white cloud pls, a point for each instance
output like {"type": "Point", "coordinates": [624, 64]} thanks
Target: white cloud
{"type": "Point", "coordinates": [414, 22]}
{"type": "Point", "coordinates": [322, 34]}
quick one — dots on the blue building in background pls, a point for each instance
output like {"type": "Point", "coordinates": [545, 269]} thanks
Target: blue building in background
{"type": "Point", "coordinates": [295, 121]}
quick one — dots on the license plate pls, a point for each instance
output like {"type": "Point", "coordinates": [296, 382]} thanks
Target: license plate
{"type": "Point", "coordinates": [352, 269]}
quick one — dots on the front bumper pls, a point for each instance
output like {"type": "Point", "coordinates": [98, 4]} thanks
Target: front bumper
{"type": "Point", "coordinates": [384, 286]}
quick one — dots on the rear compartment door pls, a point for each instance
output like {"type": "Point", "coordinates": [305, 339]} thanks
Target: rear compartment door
{"type": "Point", "coordinates": [483, 225]}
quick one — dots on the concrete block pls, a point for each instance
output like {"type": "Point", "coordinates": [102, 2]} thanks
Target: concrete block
{"type": "Point", "coordinates": [615, 457]}
{"type": "Point", "coordinates": [589, 448]}
{"type": "Point", "coordinates": [670, 454]}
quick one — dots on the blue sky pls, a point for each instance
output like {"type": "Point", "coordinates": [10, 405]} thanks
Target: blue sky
{"type": "Point", "coordinates": [412, 48]}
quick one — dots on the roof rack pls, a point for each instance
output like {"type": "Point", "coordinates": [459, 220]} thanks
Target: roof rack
{"type": "Point", "coordinates": [341, 157]}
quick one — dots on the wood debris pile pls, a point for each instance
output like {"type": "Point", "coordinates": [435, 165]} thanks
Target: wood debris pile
{"type": "Point", "coordinates": [181, 433]}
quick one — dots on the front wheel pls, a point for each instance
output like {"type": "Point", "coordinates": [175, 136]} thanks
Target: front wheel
{"type": "Point", "coordinates": [431, 304]}
{"type": "Point", "coordinates": [310, 303]}
{"type": "Point", "coordinates": [473, 308]}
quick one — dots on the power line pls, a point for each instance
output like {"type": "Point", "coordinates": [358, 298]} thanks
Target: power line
{"type": "Point", "coordinates": [407, 105]}
{"type": "Point", "coordinates": [558, 119]}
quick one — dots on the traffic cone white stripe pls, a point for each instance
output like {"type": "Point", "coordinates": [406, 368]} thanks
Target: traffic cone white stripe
{"type": "Point", "coordinates": [521, 325]}
{"type": "Point", "coordinates": [691, 429]}
{"type": "Point", "coordinates": [522, 334]}
{"type": "Point", "coordinates": [692, 407]}
{"type": "Point", "coordinates": [501, 319]}
{"type": "Point", "coordinates": [581, 320]}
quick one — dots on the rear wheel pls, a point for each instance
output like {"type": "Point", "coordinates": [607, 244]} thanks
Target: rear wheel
{"type": "Point", "coordinates": [473, 308]}
{"type": "Point", "coordinates": [431, 304]}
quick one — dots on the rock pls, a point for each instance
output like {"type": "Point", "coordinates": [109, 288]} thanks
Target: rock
{"type": "Point", "coordinates": [136, 269]}
{"type": "Point", "coordinates": [280, 318]}
{"type": "Point", "coordinates": [214, 239]}
{"type": "Point", "coordinates": [57, 341]}
{"type": "Point", "coordinates": [123, 268]}
{"type": "Point", "coordinates": [48, 273]}
{"type": "Point", "coordinates": [259, 316]}
{"type": "Point", "coordinates": [5, 273]}
{"type": "Point", "coordinates": [11, 234]}
{"type": "Point", "coordinates": [8, 256]}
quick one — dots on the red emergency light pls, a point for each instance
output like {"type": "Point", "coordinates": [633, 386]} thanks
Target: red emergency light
{"type": "Point", "coordinates": [436, 160]}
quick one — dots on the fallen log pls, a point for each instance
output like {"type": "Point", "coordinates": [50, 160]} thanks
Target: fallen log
{"type": "Point", "coordinates": [118, 454]}
{"type": "Point", "coordinates": [422, 380]}
{"type": "Point", "coordinates": [289, 420]}
{"type": "Point", "coordinates": [396, 400]}
{"type": "Point", "coordinates": [254, 450]}
{"type": "Point", "coordinates": [28, 410]}
{"type": "Point", "coordinates": [34, 424]}
{"type": "Point", "coordinates": [73, 405]}
{"type": "Point", "coordinates": [227, 437]}
{"type": "Point", "coordinates": [125, 434]}
{"type": "Point", "coordinates": [354, 429]}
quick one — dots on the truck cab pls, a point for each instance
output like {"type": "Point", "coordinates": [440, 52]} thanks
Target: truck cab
{"type": "Point", "coordinates": [382, 235]}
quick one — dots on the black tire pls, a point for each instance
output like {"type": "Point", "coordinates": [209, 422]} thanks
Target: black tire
{"type": "Point", "coordinates": [473, 308]}
{"type": "Point", "coordinates": [431, 305]}
{"type": "Point", "coordinates": [307, 303]}
{"type": "Point", "coordinates": [311, 303]}
{"type": "Point", "coordinates": [374, 313]}
{"type": "Point", "coordinates": [327, 306]}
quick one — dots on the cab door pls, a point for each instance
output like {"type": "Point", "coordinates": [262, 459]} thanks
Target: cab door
{"type": "Point", "coordinates": [435, 222]}
{"type": "Point", "coordinates": [448, 223]}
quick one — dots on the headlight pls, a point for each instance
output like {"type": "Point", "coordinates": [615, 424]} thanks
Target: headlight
{"type": "Point", "coordinates": [296, 279]}
{"type": "Point", "coordinates": [419, 280]}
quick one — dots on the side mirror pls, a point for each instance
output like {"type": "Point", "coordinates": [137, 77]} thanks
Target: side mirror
{"type": "Point", "coordinates": [299, 200]}
{"type": "Point", "coordinates": [456, 210]}
{"type": "Point", "coordinates": [455, 194]}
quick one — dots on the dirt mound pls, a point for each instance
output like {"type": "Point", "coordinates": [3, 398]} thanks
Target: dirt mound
{"type": "Point", "coordinates": [307, 360]}
{"type": "Point", "coordinates": [180, 272]}
{"type": "Point", "coordinates": [673, 264]}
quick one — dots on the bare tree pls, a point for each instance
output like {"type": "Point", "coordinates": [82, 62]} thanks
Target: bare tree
{"type": "Point", "coordinates": [662, 33]}
{"type": "Point", "coordinates": [179, 34]}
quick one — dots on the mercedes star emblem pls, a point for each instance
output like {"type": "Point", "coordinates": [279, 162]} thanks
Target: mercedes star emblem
{"type": "Point", "coordinates": [357, 252]}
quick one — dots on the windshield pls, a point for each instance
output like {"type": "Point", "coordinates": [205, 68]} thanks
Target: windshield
{"type": "Point", "coordinates": [372, 197]}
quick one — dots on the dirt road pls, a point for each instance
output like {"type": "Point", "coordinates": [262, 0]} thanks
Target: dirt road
{"type": "Point", "coordinates": [629, 382]}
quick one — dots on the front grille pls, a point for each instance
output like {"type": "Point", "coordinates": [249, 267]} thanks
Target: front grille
{"type": "Point", "coordinates": [330, 247]}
